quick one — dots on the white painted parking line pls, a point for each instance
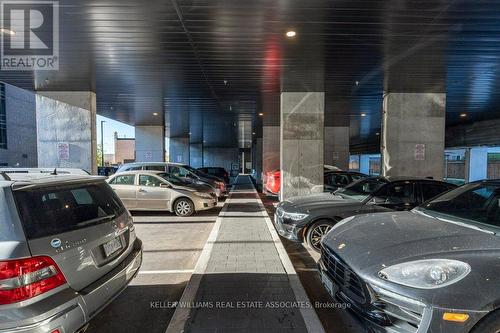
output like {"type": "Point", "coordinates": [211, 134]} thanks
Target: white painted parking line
{"type": "Point", "coordinates": [172, 271]}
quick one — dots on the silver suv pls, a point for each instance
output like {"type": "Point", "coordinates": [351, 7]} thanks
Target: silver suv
{"type": "Point", "coordinates": [67, 249]}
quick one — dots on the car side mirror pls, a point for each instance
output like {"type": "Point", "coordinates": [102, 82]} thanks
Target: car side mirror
{"type": "Point", "coordinates": [163, 185]}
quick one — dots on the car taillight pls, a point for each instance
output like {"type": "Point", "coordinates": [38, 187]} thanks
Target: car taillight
{"type": "Point", "coordinates": [26, 278]}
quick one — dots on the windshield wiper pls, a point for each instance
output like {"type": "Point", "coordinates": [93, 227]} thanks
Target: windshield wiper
{"type": "Point", "coordinates": [97, 219]}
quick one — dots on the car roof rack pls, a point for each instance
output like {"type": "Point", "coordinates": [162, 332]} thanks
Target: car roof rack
{"type": "Point", "coordinates": [5, 175]}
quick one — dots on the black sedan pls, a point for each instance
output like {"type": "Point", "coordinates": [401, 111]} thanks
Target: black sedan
{"type": "Point", "coordinates": [310, 217]}
{"type": "Point", "coordinates": [433, 269]}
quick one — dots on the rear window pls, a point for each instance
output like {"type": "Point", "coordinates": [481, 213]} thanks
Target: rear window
{"type": "Point", "coordinates": [54, 210]}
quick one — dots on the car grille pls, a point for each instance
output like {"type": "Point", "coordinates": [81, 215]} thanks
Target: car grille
{"type": "Point", "coordinates": [344, 276]}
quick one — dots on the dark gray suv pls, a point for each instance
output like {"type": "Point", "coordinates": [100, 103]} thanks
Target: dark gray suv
{"type": "Point", "coordinates": [67, 248]}
{"type": "Point", "coordinates": [433, 269]}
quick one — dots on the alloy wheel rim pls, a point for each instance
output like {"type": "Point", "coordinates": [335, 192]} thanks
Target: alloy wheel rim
{"type": "Point", "coordinates": [318, 233]}
{"type": "Point", "coordinates": [183, 208]}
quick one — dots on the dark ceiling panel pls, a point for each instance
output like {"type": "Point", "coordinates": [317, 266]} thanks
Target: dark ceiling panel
{"type": "Point", "coordinates": [231, 58]}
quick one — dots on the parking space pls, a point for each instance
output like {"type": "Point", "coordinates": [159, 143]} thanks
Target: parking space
{"type": "Point", "coordinates": [172, 246]}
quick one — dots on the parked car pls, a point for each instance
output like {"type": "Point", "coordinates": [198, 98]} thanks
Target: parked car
{"type": "Point", "coordinates": [55, 170]}
{"type": "Point", "coordinates": [217, 172]}
{"type": "Point", "coordinates": [432, 269]}
{"type": "Point", "coordinates": [310, 217]}
{"type": "Point", "coordinates": [334, 179]}
{"type": "Point", "coordinates": [157, 190]}
{"type": "Point", "coordinates": [67, 248]}
{"type": "Point", "coordinates": [183, 171]}
{"type": "Point", "coordinates": [106, 170]}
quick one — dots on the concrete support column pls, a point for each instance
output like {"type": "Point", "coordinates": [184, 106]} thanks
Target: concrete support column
{"type": "Point", "coordinates": [66, 129]}
{"type": "Point", "coordinates": [413, 132]}
{"type": "Point", "coordinates": [302, 139]}
{"type": "Point", "coordinates": [149, 143]}
{"type": "Point", "coordinates": [179, 149]}
{"type": "Point", "coordinates": [364, 164]}
{"type": "Point", "coordinates": [337, 146]}
{"type": "Point", "coordinates": [270, 148]}
{"type": "Point", "coordinates": [476, 164]}
{"type": "Point", "coordinates": [257, 159]}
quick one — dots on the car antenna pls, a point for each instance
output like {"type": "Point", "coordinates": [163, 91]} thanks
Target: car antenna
{"type": "Point", "coordinates": [5, 176]}
{"type": "Point", "coordinates": [54, 173]}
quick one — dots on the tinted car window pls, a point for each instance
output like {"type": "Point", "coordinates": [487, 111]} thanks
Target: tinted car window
{"type": "Point", "coordinates": [151, 181]}
{"type": "Point", "coordinates": [476, 202]}
{"type": "Point", "coordinates": [397, 193]}
{"type": "Point", "coordinates": [123, 180]}
{"type": "Point", "coordinates": [173, 179]}
{"type": "Point", "coordinates": [362, 189]}
{"type": "Point", "coordinates": [356, 177]}
{"type": "Point", "coordinates": [430, 191]}
{"type": "Point", "coordinates": [178, 171]}
{"type": "Point", "coordinates": [54, 210]}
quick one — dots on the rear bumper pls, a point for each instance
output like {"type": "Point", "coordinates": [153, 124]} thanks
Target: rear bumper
{"type": "Point", "coordinates": [68, 310]}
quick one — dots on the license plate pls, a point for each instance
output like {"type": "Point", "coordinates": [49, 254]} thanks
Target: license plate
{"type": "Point", "coordinates": [331, 287]}
{"type": "Point", "coordinates": [112, 246]}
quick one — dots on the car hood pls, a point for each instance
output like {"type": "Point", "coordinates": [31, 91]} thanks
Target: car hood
{"type": "Point", "coordinates": [315, 201]}
{"type": "Point", "coordinates": [373, 241]}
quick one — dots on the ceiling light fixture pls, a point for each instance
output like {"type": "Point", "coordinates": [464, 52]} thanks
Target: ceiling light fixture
{"type": "Point", "coordinates": [291, 34]}
{"type": "Point", "coordinates": [261, 114]}
{"type": "Point", "coordinates": [7, 31]}
{"type": "Point", "coordinates": [155, 113]}
{"type": "Point", "coordinates": [463, 115]}
{"type": "Point", "coordinates": [363, 114]}
{"type": "Point", "coordinates": [253, 133]}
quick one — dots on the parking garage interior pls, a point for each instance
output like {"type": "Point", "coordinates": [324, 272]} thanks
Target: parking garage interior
{"type": "Point", "coordinates": [395, 88]}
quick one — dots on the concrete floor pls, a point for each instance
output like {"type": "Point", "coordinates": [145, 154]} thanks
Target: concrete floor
{"type": "Point", "coordinates": [172, 246]}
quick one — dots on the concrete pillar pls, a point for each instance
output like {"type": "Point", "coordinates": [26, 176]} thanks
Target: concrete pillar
{"type": "Point", "coordinates": [336, 147]}
{"type": "Point", "coordinates": [257, 159]}
{"type": "Point", "coordinates": [179, 150]}
{"type": "Point", "coordinates": [364, 164]}
{"type": "Point", "coordinates": [476, 163]}
{"type": "Point", "coordinates": [302, 139]}
{"type": "Point", "coordinates": [66, 129]}
{"type": "Point", "coordinates": [413, 132]}
{"type": "Point", "coordinates": [149, 144]}
{"type": "Point", "coordinates": [196, 155]}
{"type": "Point", "coordinates": [270, 148]}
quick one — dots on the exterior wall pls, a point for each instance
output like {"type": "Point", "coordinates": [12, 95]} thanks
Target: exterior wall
{"type": "Point", "coordinates": [179, 150]}
{"type": "Point", "coordinates": [66, 117]}
{"type": "Point", "coordinates": [196, 155]}
{"type": "Point", "coordinates": [149, 144]}
{"type": "Point", "coordinates": [124, 150]}
{"type": "Point", "coordinates": [21, 128]}
{"type": "Point", "coordinates": [337, 146]}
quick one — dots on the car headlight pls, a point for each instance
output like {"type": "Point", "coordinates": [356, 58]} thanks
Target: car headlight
{"type": "Point", "coordinates": [426, 274]}
{"type": "Point", "coordinates": [294, 216]}
{"type": "Point", "coordinates": [203, 195]}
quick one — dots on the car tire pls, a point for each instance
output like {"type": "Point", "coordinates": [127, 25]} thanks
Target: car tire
{"type": "Point", "coordinates": [183, 207]}
{"type": "Point", "coordinates": [316, 232]}
{"type": "Point", "coordinates": [489, 324]}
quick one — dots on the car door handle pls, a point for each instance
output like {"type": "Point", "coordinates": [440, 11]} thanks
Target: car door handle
{"type": "Point", "coordinates": [142, 190]}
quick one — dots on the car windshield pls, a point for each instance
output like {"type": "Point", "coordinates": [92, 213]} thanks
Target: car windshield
{"type": "Point", "coordinates": [475, 202]}
{"type": "Point", "coordinates": [362, 189]}
{"type": "Point", "coordinates": [173, 179]}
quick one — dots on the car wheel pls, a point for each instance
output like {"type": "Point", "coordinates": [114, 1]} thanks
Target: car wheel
{"type": "Point", "coordinates": [316, 232]}
{"type": "Point", "coordinates": [184, 207]}
{"type": "Point", "coordinates": [489, 324]}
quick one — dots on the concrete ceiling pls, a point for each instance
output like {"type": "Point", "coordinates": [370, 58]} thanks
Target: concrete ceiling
{"type": "Point", "coordinates": [228, 57]}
